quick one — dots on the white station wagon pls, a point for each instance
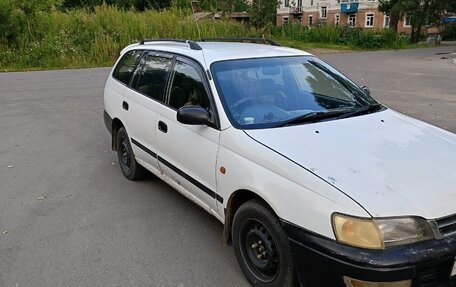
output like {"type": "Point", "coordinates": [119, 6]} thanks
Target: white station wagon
{"type": "Point", "coordinates": [316, 183]}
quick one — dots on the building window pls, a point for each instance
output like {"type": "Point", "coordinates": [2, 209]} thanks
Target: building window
{"type": "Point", "coordinates": [310, 21]}
{"type": "Point", "coordinates": [311, 2]}
{"type": "Point", "coordinates": [371, 0]}
{"type": "Point", "coordinates": [337, 19]}
{"type": "Point", "coordinates": [287, 3]}
{"type": "Point", "coordinates": [369, 22]}
{"type": "Point", "coordinates": [324, 12]}
{"type": "Point", "coordinates": [386, 21]}
{"type": "Point", "coordinates": [285, 20]}
{"type": "Point", "coordinates": [352, 20]}
{"type": "Point", "coordinates": [407, 21]}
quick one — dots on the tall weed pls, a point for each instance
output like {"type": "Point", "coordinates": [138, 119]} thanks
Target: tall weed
{"type": "Point", "coordinates": [82, 37]}
{"type": "Point", "coordinates": [340, 35]}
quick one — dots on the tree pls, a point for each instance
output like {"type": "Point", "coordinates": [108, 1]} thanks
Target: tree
{"type": "Point", "coordinates": [226, 6]}
{"type": "Point", "coordinates": [8, 23]}
{"type": "Point", "coordinates": [422, 12]}
{"type": "Point", "coordinates": [139, 5]}
{"type": "Point", "coordinates": [438, 8]}
{"type": "Point", "coordinates": [263, 12]}
{"type": "Point", "coordinates": [234, 5]}
{"type": "Point", "coordinates": [30, 8]}
{"type": "Point", "coordinates": [185, 4]}
{"type": "Point", "coordinates": [394, 9]}
{"type": "Point", "coordinates": [80, 3]}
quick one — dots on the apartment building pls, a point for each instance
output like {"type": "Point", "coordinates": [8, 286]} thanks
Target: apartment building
{"type": "Point", "coordinates": [355, 13]}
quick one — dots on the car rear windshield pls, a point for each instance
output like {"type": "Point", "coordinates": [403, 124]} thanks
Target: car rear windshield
{"type": "Point", "coordinates": [272, 92]}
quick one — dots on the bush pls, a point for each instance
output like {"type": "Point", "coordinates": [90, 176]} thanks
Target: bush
{"type": "Point", "coordinates": [342, 35]}
{"type": "Point", "coordinates": [449, 32]}
{"type": "Point", "coordinates": [12, 23]}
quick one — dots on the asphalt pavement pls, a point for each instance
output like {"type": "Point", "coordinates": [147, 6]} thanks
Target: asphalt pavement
{"type": "Point", "coordinates": [420, 83]}
{"type": "Point", "coordinates": [69, 218]}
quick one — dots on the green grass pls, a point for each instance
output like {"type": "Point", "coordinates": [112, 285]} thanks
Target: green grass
{"type": "Point", "coordinates": [82, 38]}
{"type": "Point", "coordinates": [314, 46]}
{"type": "Point", "coordinates": [354, 38]}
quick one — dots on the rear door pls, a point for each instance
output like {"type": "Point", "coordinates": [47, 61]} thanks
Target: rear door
{"type": "Point", "coordinates": [142, 100]}
{"type": "Point", "coordinates": [119, 83]}
{"type": "Point", "coordinates": [187, 153]}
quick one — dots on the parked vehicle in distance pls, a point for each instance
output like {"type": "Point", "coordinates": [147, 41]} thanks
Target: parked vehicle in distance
{"type": "Point", "coordinates": [315, 181]}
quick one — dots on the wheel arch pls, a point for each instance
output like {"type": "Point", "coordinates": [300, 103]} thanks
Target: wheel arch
{"type": "Point", "coordinates": [116, 125]}
{"type": "Point", "coordinates": [236, 199]}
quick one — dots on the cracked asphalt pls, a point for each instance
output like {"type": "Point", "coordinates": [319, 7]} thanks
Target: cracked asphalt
{"type": "Point", "coordinates": [69, 218]}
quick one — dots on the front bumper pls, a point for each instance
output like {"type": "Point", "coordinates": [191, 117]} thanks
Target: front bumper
{"type": "Point", "coordinates": [323, 262]}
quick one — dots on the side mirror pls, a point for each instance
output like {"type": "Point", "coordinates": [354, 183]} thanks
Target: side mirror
{"type": "Point", "coordinates": [366, 90]}
{"type": "Point", "coordinates": [193, 115]}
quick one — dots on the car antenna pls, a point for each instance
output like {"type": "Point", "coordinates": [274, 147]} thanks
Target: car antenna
{"type": "Point", "coordinates": [196, 9]}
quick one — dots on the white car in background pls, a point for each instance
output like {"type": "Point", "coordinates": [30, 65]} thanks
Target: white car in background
{"type": "Point", "coordinates": [315, 182]}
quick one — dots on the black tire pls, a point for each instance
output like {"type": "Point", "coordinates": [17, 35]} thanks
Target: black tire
{"type": "Point", "coordinates": [130, 168]}
{"type": "Point", "coordinates": [261, 247]}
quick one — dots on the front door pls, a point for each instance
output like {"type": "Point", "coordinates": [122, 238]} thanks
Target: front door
{"type": "Point", "coordinates": [187, 153]}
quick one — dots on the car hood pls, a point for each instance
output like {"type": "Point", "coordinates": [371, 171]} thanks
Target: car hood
{"type": "Point", "coordinates": [389, 163]}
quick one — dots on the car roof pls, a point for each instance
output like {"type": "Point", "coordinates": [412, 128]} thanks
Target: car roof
{"type": "Point", "coordinates": [219, 51]}
{"type": "Point", "coordinates": [211, 52]}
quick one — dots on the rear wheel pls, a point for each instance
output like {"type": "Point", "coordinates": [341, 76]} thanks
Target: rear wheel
{"type": "Point", "coordinates": [261, 246]}
{"type": "Point", "coordinates": [130, 168]}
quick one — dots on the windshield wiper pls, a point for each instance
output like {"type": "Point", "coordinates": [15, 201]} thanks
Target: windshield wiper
{"type": "Point", "coordinates": [313, 117]}
{"type": "Point", "coordinates": [362, 111]}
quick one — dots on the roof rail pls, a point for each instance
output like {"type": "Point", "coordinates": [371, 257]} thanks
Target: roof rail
{"type": "Point", "coordinates": [193, 45]}
{"type": "Point", "coordinates": [241, 40]}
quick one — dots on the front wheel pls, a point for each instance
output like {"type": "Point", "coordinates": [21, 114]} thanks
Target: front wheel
{"type": "Point", "coordinates": [261, 247]}
{"type": "Point", "coordinates": [130, 168]}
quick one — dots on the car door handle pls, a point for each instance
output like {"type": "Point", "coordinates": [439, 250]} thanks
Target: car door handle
{"type": "Point", "coordinates": [162, 126]}
{"type": "Point", "coordinates": [125, 105]}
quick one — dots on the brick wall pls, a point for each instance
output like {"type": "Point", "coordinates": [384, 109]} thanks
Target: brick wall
{"type": "Point", "coordinates": [360, 19]}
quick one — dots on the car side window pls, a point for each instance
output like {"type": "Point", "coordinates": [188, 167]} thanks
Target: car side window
{"type": "Point", "coordinates": [126, 66]}
{"type": "Point", "coordinates": [187, 87]}
{"type": "Point", "coordinates": [152, 77]}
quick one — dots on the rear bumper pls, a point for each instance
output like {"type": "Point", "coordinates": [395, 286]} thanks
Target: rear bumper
{"type": "Point", "coordinates": [323, 262]}
{"type": "Point", "coordinates": [108, 121]}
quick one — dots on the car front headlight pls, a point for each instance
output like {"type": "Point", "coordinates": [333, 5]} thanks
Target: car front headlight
{"type": "Point", "coordinates": [379, 233]}
{"type": "Point", "coordinates": [404, 230]}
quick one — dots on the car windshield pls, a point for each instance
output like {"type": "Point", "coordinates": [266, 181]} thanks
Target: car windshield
{"type": "Point", "coordinates": [280, 91]}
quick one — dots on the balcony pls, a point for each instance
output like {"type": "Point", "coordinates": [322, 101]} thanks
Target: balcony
{"type": "Point", "coordinates": [296, 10]}
{"type": "Point", "coordinates": [349, 7]}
